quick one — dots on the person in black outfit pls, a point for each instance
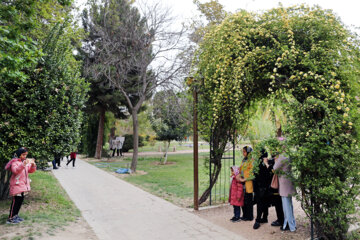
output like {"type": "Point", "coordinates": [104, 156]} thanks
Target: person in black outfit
{"type": "Point", "coordinates": [275, 199]}
{"type": "Point", "coordinates": [262, 190]}
{"type": "Point", "coordinates": [56, 161]}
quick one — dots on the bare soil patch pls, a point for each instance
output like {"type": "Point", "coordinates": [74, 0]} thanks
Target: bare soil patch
{"type": "Point", "coordinates": [157, 163]}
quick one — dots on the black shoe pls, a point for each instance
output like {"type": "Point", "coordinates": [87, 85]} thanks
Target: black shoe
{"type": "Point", "coordinates": [276, 223]}
{"type": "Point", "coordinates": [55, 168]}
{"type": "Point", "coordinates": [246, 219]}
{"type": "Point", "coordinates": [263, 220]}
{"type": "Point", "coordinates": [285, 229]}
{"type": "Point", "coordinates": [235, 219]}
{"type": "Point", "coordinates": [256, 225]}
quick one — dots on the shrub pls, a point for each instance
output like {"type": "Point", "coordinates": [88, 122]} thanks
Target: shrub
{"type": "Point", "coordinates": [128, 144]}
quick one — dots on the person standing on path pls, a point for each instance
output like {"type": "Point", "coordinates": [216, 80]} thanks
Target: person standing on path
{"type": "Point", "coordinates": [286, 190]}
{"type": "Point", "coordinates": [275, 198]}
{"type": "Point", "coordinates": [19, 182]}
{"type": "Point", "coordinates": [261, 188]}
{"type": "Point", "coordinates": [245, 176]}
{"type": "Point", "coordinates": [236, 194]}
{"type": "Point", "coordinates": [72, 158]}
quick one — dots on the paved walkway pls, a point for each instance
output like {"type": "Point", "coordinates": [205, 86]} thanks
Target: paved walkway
{"type": "Point", "coordinates": [116, 209]}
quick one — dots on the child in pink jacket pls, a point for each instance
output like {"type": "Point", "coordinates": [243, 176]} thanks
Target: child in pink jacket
{"type": "Point", "coordinates": [19, 183]}
{"type": "Point", "coordinates": [236, 195]}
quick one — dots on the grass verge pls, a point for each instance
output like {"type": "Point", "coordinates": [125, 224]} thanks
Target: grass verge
{"type": "Point", "coordinates": [173, 182]}
{"type": "Point", "coordinates": [45, 209]}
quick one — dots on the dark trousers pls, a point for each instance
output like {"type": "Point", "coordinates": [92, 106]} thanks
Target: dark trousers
{"type": "Point", "coordinates": [262, 205]}
{"type": "Point", "coordinates": [248, 206]}
{"type": "Point", "coordinates": [57, 161]}
{"type": "Point", "coordinates": [276, 201]}
{"type": "Point", "coordinates": [16, 205]}
{"type": "Point", "coordinates": [117, 151]}
{"type": "Point", "coordinates": [237, 211]}
{"type": "Point", "coordinates": [54, 164]}
{"type": "Point", "coordinates": [69, 161]}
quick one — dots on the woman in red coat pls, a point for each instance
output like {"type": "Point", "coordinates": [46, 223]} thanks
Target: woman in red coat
{"type": "Point", "coordinates": [236, 195]}
{"type": "Point", "coordinates": [19, 182]}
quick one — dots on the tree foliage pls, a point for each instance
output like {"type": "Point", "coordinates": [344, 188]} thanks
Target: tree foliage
{"type": "Point", "coordinates": [169, 117]}
{"type": "Point", "coordinates": [133, 52]}
{"type": "Point", "coordinates": [41, 91]}
{"type": "Point", "coordinates": [103, 95]}
{"type": "Point", "coordinates": [307, 58]}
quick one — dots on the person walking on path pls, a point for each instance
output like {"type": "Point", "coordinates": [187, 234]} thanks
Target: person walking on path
{"type": "Point", "coordinates": [72, 158]}
{"type": "Point", "coordinates": [245, 176]}
{"type": "Point", "coordinates": [56, 161]}
{"type": "Point", "coordinates": [236, 194]}
{"type": "Point", "coordinates": [286, 190]}
{"type": "Point", "coordinates": [261, 188]}
{"type": "Point", "coordinates": [19, 182]}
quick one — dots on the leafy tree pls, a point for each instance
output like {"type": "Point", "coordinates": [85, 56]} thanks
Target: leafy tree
{"type": "Point", "coordinates": [133, 53]}
{"type": "Point", "coordinates": [103, 96]}
{"type": "Point", "coordinates": [307, 58]}
{"type": "Point", "coordinates": [168, 117]}
{"type": "Point", "coordinates": [41, 91]}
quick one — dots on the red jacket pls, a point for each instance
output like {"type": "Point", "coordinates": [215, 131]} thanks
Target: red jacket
{"type": "Point", "coordinates": [236, 194]}
{"type": "Point", "coordinates": [19, 181]}
{"type": "Point", "coordinates": [73, 155]}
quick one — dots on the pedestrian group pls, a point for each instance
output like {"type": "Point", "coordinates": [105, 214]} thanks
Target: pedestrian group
{"type": "Point", "coordinates": [270, 187]}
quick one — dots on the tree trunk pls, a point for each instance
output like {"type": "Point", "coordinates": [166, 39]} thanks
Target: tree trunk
{"type": "Point", "coordinates": [134, 116]}
{"type": "Point", "coordinates": [100, 136]}
{"type": "Point", "coordinates": [279, 132]}
{"type": "Point", "coordinates": [166, 153]}
{"type": "Point", "coordinates": [214, 176]}
{"type": "Point", "coordinates": [219, 140]}
{"type": "Point", "coordinates": [4, 183]}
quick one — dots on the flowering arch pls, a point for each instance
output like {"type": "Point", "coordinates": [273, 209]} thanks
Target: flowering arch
{"type": "Point", "coordinates": [306, 58]}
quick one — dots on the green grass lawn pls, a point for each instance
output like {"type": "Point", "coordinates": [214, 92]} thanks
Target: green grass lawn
{"type": "Point", "coordinates": [174, 181]}
{"type": "Point", "coordinates": [45, 209]}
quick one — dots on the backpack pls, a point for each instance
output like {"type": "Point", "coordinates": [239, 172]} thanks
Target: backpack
{"type": "Point", "coordinates": [8, 165]}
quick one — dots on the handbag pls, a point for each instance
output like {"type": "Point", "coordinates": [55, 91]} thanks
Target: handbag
{"type": "Point", "coordinates": [275, 182]}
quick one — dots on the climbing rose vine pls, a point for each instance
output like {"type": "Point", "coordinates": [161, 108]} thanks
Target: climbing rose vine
{"type": "Point", "coordinates": [305, 57]}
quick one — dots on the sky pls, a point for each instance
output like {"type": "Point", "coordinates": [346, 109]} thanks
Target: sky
{"type": "Point", "coordinates": [347, 10]}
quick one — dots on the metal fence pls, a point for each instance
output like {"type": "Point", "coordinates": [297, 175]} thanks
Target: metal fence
{"type": "Point", "coordinates": [220, 192]}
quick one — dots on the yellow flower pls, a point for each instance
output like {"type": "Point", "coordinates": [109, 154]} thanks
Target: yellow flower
{"type": "Point", "coordinates": [338, 107]}
{"type": "Point", "coordinates": [337, 86]}
{"type": "Point", "coordinates": [347, 109]}
{"type": "Point", "coordinates": [341, 100]}
{"type": "Point", "coordinates": [346, 115]}
{"type": "Point", "coordinates": [344, 122]}
{"type": "Point", "coordinates": [350, 123]}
